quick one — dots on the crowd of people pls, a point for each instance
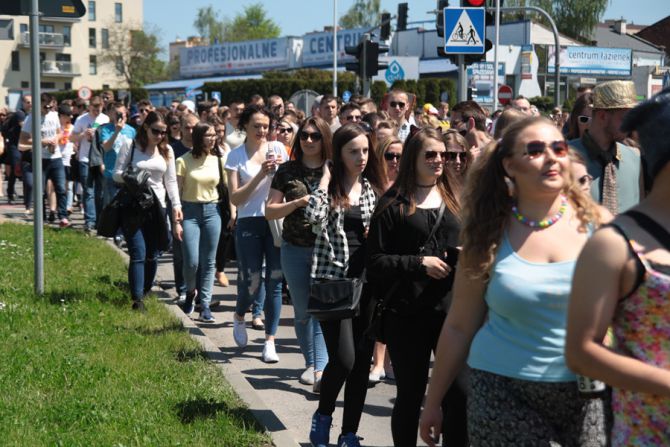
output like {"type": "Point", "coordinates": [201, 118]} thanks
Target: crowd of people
{"type": "Point", "coordinates": [529, 254]}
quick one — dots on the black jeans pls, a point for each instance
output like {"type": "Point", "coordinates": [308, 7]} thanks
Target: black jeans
{"type": "Point", "coordinates": [410, 341]}
{"type": "Point", "coordinates": [349, 353]}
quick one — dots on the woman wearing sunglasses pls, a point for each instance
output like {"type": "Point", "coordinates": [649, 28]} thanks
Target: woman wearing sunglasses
{"type": "Point", "coordinates": [149, 151]}
{"type": "Point", "coordinates": [286, 134]}
{"type": "Point", "coordinates": [291, 186]}
{"type": "Point", "coordinates": [580, 117]}
{"type": "Point", "coordinates": [250, 168]}
{"type": "Point", "coordinates": [524, 223]}
{"type": "Point", "coordinates": [340, 209]}
{"type": "Point", "coordinates": [458, 159]}
{"type": "Point", "coordinates": [390, 151]}
{"type": "Point", "coordinates": [404, 247]}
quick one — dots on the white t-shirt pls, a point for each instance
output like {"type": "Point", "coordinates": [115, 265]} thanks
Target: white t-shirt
{"type": "Point", "coordinates": [84, 122]}
{"type": "Point", "coordinates": [48, 128]}
{"type": "Point", "coordinates": [239, 162]}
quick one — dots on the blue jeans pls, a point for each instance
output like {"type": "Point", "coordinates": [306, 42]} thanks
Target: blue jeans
{"type": "Point", "coordinates": [253, 242]}
{"type": "Point", "coordinates": [144, 253]}
{"type": "Point", "coordinates": [54, 170]}
{"type": "Point", "coordinates": [27, 179]}
{"type": "Point", "coordinates": [88, 196]}
{"type": "Point", "coordinates": [202, 226]}
{"type": "Point", "coordinates": [296, 263]}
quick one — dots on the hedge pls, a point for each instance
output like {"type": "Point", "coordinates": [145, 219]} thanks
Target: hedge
{"type": "Point", "coordinates": [137, 93]}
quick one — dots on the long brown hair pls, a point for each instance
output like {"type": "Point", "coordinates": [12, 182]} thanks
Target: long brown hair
{"type": "Point", "coordinates": [198, 138]}
{"type": "Point", "coordinates": [326, 138]}
{"type": "Point", "coordinates": [405, 183]}
{"type": "Point", "coordinates": [381, 148]}
{"type": "Point", "coordinates": [487, 203]}
{"type": "Point", "coordinates": [143, 137]}
{"type": "Point", "coordinates": [373, 171]}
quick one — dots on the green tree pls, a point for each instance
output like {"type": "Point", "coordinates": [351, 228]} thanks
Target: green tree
{"type": "Point", "coordinates": [252, 24]}
{"type": "Point", "coordinates": [209, 25]}
{"type": "Point", "coordinates": [134, 54]}
{"type": "Point", "coordinates": [363, 13]}
{"type": "Point", "coordinates": [574, 18]}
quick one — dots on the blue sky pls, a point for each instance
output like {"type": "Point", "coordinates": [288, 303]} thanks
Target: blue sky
{"type": "Point", "coordinates": [297, 17]}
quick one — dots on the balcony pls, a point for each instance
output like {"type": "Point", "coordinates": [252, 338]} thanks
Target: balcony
{"type": "Point", "coordinates": [60, 19]}
{"type": "Point", "coordinates": [47, 40]}
{"type": "Point", "coordinates": [60, 69]}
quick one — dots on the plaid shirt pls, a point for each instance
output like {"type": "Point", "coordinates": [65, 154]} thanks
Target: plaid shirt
{"type": "Point", "coordinates": [330, 259]}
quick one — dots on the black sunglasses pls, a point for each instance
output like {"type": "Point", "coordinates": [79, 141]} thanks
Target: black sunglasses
{"type": "Point", "coordinates": [390, 156]}
{"type": "Point", "coordinates": [431, 155]}
{"type": "Point", "coordinates": [584, 119]}
{"type": "Point", "coordinates": [395, 104]}
{"type": "Point", "coordinates": [353, 118]}
{"type": "Point", "coordinates": [284, 130]}
{"type": "Point", "coordinates": [158, 132]}
{"type": "Point", "coordinates": [174, 123]}
{"type": "Point", "coordinates": [314, 136]}
{"type": "Point", "coordinates": [534, 149]}
{"type": "Point", "coordinates": [452, 156]}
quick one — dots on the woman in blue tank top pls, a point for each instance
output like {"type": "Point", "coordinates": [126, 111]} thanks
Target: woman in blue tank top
{"type": "Point", "coordinates": [524, 223]}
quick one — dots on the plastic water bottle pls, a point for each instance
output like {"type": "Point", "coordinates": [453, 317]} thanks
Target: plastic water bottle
{"type": "Point", "coordinates": [270, 155]}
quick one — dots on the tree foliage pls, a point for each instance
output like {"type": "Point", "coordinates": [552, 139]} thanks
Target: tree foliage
{"type": "Point", "coordinates": [363, 13]}
{"type": "Point", "coordinates": [209, 25]}
{"type": "Point", "coordinates": [134, 54]}
{"type": "Point", "coordinates": [252, 24]}
{"type": "Point", "coordinates": [574, 18]}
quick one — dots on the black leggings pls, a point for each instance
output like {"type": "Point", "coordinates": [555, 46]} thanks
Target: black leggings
{"type": "Point", "coordinates": [349, 353]}
{"type": "Point", "coordinates": [410, 341]}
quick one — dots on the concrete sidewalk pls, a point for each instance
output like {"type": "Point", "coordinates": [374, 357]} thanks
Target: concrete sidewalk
{"type": "Point", "coordinates": [272, 391]}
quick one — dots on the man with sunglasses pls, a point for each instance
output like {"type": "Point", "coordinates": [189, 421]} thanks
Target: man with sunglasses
{"type": "Point", "coordinates": [350, 113]}
{"type": "Point", "coordinates": [469, 119]}
{"type": "Point", "coordinates": [84, 134]}
{"type": "Point", "coordinates": [398, 104]}
{"type": "Point", "coordinates": [616, 169]}
{"type": "Point", "coordinates": [52, 159]}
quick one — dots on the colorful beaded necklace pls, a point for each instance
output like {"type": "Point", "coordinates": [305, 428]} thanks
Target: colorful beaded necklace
{"type": "Point", "coordinates": [544, 223]}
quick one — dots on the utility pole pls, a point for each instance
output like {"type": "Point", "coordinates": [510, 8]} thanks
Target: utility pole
{"type": "Point", "coordinates": [335, 48]}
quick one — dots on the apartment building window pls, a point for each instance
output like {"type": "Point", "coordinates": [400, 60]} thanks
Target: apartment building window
{"type": "Point", "coordinates": [91, 38]}
{"type": "Point", "coordinates": [23, 28]}
{"type": "Point", "coordinates": [92, 65]}
{"type": "Point", "coordinates": [16, 61]}
{"type": "Point", "coordinates": [7, 29]}
{"type": "Point", "coordinates": [46, 28]}
{"type": "Point", "coordinates": [67, 35]}
{"type": "Point", "coordinates": [48, 85]}
{"type": "Point", "coordinates": [25, 84]}
{"type": "Point", "coordinates": [119, 66]}
{"type": "Point", "coordinates": [104, 38]}
{"type": "Point", "coordinates": [67, 86]}
{"type": "Point", "coordinates": [118, 12]}
{"type": "Point", "coordinates": [91, 11]}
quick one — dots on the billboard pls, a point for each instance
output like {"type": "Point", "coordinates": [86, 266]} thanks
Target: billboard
{"type": "Point", "coordinates": [594, 61]}
{"type": "Point", "coordinates": [235, 57]}
{"type": "Point", "coordinates": [318, 47]}
{"type": "Point", "coordinates": [480, 80]}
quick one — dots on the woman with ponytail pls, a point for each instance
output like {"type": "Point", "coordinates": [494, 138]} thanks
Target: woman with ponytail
{"type": "Point", "coordinates": [524, 222]}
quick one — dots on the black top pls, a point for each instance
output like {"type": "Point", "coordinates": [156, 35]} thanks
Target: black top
{"type": "Point", "coordinates": [393, 247]}
{"type": "Point", "coordinates": [11, 129]}
{"type": "Point", "coordinates": [296, 180]}
{"type": "Point", "coordinates": [178, 147]}
{"type": "Point", "coordinates": [353, 228]}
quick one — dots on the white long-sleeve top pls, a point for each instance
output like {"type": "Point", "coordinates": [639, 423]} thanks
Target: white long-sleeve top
{"type": "Point", "coordinates": [163, 176]}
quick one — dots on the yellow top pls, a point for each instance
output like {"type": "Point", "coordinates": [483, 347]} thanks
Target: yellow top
{"type": "Point", "coordinates": [199, 177]}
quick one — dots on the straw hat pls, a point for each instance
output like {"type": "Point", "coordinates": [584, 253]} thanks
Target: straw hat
{"type": "Point", "coordinates": [614, 95]}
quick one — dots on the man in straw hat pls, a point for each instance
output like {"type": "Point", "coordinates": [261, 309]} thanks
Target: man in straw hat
{"type": "Point", "coordinates": [616, 168]}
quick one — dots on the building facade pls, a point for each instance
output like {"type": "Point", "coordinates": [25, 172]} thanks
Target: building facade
{"type": "Point", "coordinates": [70, 49]}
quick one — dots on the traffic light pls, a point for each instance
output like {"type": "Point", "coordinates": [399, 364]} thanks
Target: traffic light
{"type": "Point", "coordinates": [358, 66]}
{"type": "Point", "coordinates": [385, 33]}
{"type": "Point", "coordinates": [439, 21]}
{"type": "Point", "coordinates": [402, 16]}
{"type": "Point", "coordinates": [372, 52]}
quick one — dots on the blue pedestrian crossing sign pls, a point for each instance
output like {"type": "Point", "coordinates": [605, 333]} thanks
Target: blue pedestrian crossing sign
{"type": "Point", "coordinates": [464, 30]}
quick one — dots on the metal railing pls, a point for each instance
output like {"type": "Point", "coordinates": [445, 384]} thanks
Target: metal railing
{"type": "Point", "coordinates": [61, 68]}
{"type": "Point", "coordinates": [46, 39]}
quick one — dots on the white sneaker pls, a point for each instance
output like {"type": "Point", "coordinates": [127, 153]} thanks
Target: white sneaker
{"type": "Point", "coordinates": [240, 332]}
{"type": "Point", "coordinates": [269, 352]}
{"type": "Point", "coordinates": [307, 377]}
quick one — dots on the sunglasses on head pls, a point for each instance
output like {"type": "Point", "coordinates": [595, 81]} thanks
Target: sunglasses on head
{"type": "Point", "coordinates": [395, 104]}
{"type": "Point", "coordinates": [390, 156]}
{"type": "Point", "coordinates": [584, 119]}
{"type": "Point", "coordinates": [585, 179]}
{"type": "Point", "coordinates": [535, 149]}
{"type": "Point", "coordinates": [367, 128]}
{"type": "Point", "coordinates": [431, 155]}
{"type": "Point", "coordinates": [284, 130]}
{"type": "Point", "coordinates": [158, 132]}
{"type": "Point", "coordinates": [314, 136]}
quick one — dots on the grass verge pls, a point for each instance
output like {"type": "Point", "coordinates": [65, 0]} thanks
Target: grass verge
{"type": "Point", "coordinates": [79, 368]}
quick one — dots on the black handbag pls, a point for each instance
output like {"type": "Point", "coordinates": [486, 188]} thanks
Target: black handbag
{"type": "Point", "coordinates": [135, 181]}
{"type": "Point", "coordinates": [110, 217]}
{"type": "Point", "coordinates": [224, 199]}
{"type": "Point", "coordinates": [335, 299]}
{"type": "Point", "coordinates": [376, 329]}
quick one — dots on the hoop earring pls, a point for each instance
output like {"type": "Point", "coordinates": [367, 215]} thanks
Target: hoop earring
{"type": "Point", "coordinates": [511, 188]}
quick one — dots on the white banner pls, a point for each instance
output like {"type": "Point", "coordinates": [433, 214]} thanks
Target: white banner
{"type": "Point", "coordinates": [318, 47]}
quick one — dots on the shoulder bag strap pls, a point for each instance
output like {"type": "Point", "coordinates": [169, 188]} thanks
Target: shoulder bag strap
{"type": "Point", "coordinates": [218, 162]}
{"type": "Point", "coordinates": [651, 226]}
